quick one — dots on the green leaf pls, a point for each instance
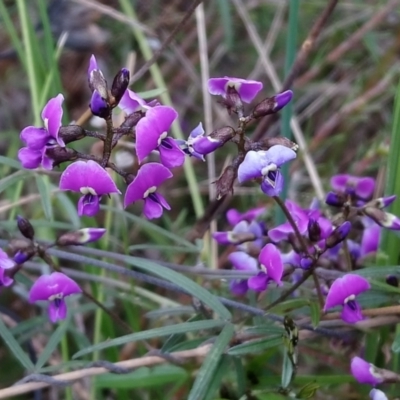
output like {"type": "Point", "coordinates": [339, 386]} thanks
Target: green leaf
{"type": "Point", "coordinates": [185, 283]}
{"type": "Point", "coordinates": [14, 346]}
{"type": "Point", "coordinates": [44, 189]}
{"type": "Point", "coordinates": [143, 378]}
{"type": "Point", "coordinates": [12, 179]}
{"type": "Point", "coordinates": [220, 373]}
{"type": "Point", "coordinates": [315, 313]}
{"type": "Point", "coordinates": [53, 342]}
{"type": "Point", "coordinates": [290, 305]}
{"type": "Point", "coordinates": [206, 373]}
{"type": "Point", "coordinates": [240, 375]}
{"type": "Point", "coordinates": [152, 333]}
{"type": "Point", "coordinates": [287, 370]}
{"type": "Point", "coordinates": [266, 329]}
{"type": "Point", "coordinates": [255, 346]}
{"type": "Point", "coordinates": [11, 162]}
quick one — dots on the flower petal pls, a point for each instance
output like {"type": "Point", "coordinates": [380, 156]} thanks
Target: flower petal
{"type": "Point", "coordinates": [57, 310]}
{"type": "Point", "coordinates": [34, 138]}
{"type": "Point", "coordinates": [30, 159]}
{"type": "Point", "coordinates": [152, 209]}
{"type": "Point", "coordinates": [251, 166]}
{"type": "Point", "coordinates": [52, 115]}
{"type": "Point", "coordinates": [279, 154]}
{"type": "Point", "coordinates": [238, 287]}
{"type": "Point", "coordinates": [243, 262]}
{"type": "Point", "coordinates": [88, 205]}
{"type": "Point", "coordinates": [270, 258]}
{"type": "Point", "coordinates": [364, 372]}
{"type": "Point", "coordinates": [259, 282]}
{"type": "Point", "coordinates": [171, 154]}
{"type": "Point", "coordinates": [351, 312]}
{"type": "Point", "coordinates": [131, 102]}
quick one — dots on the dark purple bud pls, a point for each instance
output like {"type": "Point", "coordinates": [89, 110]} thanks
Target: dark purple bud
{"type": "Point", "coordinates": [132, 119]}
{"type": "Point", "coordinates": [70, 133]}
{"type": "Point", "coordinates": [383, 218]}
{"type": "Point", "coordinates": [82, 236]}
{"type": "Point", "coordinates": [314, 230]}
{"type": "Point", "coordinates": [270, 142]}
{"type": "Point", "coordinates": [338, 235]}
{"type": "Point", "coordinates": [233, 101]}
{"type": "Point", "coordinates": [25, 227]}
{"type": "Point", "coordinates": [306, 262]}
{"type": "Point", "coordinates": [99, 106]}
{"type": "Point", "coordinates": [272, 105]}
{"type": "Point", "coordinates": [392, 280]}
{"type": "Point", "coordinates": [98, 83]}
{"type": "Point", "coordinates": [22, 256]}
{"type": "Point", "coordinates": [223, 134]}
{"type": "Point", "coordinates": [335, 200]}
{"type": "Point", "coordinates": [225, 182]}
{"type": "Point", "coordinates": [119, 85]}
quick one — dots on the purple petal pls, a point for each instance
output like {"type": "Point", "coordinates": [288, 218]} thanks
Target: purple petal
{"type": "Point", "coordinates": [98, 106]}
{"type": "Point", "coordinates": [5, 261]}
{"type": "Point", "coordinates": [198, 131]}
{"type": "Point", "coordinates": [243, 262]}
{"type": "Point", "coordinates": [5, 280]}
{"type": "Point", "coordinates": [34, 138]}
{"type": "Point", "coordinates": [370, 239]}
{"type": "Point", "coordinates": [152, 209]}
{"type": "Point", "coordinates": [131, 102]}
{"type": "Point", "coordinates": [52, 115]}
{"type": "Point", "coordinates": [223, 238]}
{"type": "Point", "coordinates": [339, 182]}
{"type": "Point", "coordinates": [273, 189]}
{"type": "Point", "coordinates": [345, 287]}
{"type": "Point", "coordinates": [259, 282]}
{"type": "Point", "coordinates": [55, 284]}
{"type": "Point", "coordinates": [270, 259]}
{"type": "Point", "coordinates": [151, 128]}
{"type": "Point", "coordinates": [205, 145]}
{"type": "Point", "coordinates": [247, 89]}
{"type": "Point", "coordinates": [87, 177]}
{"type": "Point", "coordinates": [149, 176]}
{"type": "Point", "coordinates": [291, 258]}
{"type": "Point", "coordinates": [364, 372]}
{"type": "Point", "coordinates": [282, 99]}
{"type": "Point", "coordinates": [171, 155]}
{"type": "Point", "coordinates": [376, 394]}
{"type": "Point", "coordinates": [351, 312]}
{"type": "Point", "coordinates": [30, 159]}
{"type": "Point", "coordinates": [57, 310]}
{"type": "Point", "coordinates": [365, 187]}
{"type": "Point", "coordinates": [238, 287]}
{"type": "Point", "coordinates": [279, 155]}
{"type": "Point", "coordinates": [251, 166]}
{"type": "Point", "coordinates": [88, 205]}
{"type": "Point", "coordinates": [92, 65]}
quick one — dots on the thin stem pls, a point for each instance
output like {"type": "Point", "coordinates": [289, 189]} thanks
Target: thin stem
{"type": "Point", "coordinates": [108, 142]}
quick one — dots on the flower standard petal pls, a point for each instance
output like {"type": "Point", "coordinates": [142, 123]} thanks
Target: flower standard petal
{"type": "Point", "coordinates": [251, 166]}
{"type": "Point", "coordinates": [247, 89]}
{"type": "Point", "coordinates": [364, 372]}
{"type": "Point", "coordinates": [149, 176]}
{"type": "Point", "coordinates": [99, 179]}
{"type": "Point", "coordinates": [339, 182]}
{"type": "Point", "coordinates": [74, 177]}
{"type": "Point", "coordinates": [280, 155]}
{"type": "Point", "coordinates": [344, 288]}
{"type": "Point", "coordinates": [131, 102]}
{"type": "Point", "coordinates": [52, 115]}
{"type": "Point", "coordinates": [270, 259]}
{"type": "Point", "coordinates": [151, 128]}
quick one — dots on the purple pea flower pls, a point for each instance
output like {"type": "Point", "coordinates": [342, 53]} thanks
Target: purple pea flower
{"type": "Point", "coordinates": [370, 238]}
{"type": "Point", "coordinates": [90, 179]}
{"type": "Point", "coordinates": [187, 145]}
{"type": "Point", "coordinates": [281, 232]}
{"type": "Point", "coordinates": [265, 164]}
{"type": "Point", "coordinates": [241, 261]}
{"type": "Point", "coordinates": [234, 216]}
{"type": "Point", "coordinates": [364, 372]}
{"type": "Point", "coordinates": [376, 394]}
{"type": "Point", "coordinates": [37, 140]}
{"type": "Point", "coordinates": [362, 188]}
{"type": "Point", "coordinates": [151, 134]}
{"type": "Point", "coordinates": [81, 236]}
{"type": "Point", "coordinates": [54, 288]}
{"type": "Point", "coordinates": [247, 89]}
{"type": "Point", "coordinates": [272, 268]}
{"type": "Point", "coordinates": [5, 264]}
{"type": "Point", "coordinates": [144, 187]}
{"type": "Point", "coordinates": [343, 292]}
{"type": "Point", "coordinates": [131, 102]}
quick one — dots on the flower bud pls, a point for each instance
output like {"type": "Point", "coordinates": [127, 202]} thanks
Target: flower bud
{"type": "Point", "coordinates": [270, 142]}
{"type": "Point", "coordinates": [119, 85]}
{"type": "Point", "coordinates": [99, 106]}
{"type": "Point", "coordinates": [207, 144]}
{"type": "Point", "coordinates": [306, 262]}
{"type": "Point", "coordinates": [381, 202]}
{"type": "Point", "coordinates": [70, 133]}
{"type": "Point", "coordinates": [272, 105]}
{"type": "Point", "coordinates": [132, 119]}
{"type": "Point", "coordinates": [82, 236]}
{"type": "Point", "coordinates": [96, 79]}
{"type": "Point", "coordinates": [338, 235]}
{"type": "Point", "coordinates": [335, 199]}
{"type": "Point", "coordinates": [22, 256]}
{"type": "Point", "coordinates": [25, 227]}
{"type": "Point", "coordinates": [225, 182]}
{"type": "Point", "coordinates": [314, 230]}
{"type": "Point", "coordinates": [383, 218]}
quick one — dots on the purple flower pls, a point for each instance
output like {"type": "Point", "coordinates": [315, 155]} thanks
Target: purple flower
{"type": "Point", "coordinates": [81, 236]}
{"type": "Point", "coordinates": [241, 261]}
{"type": "Point", "coordinates": [272, 268]}
{"type": "Point", "coordinates": [370, 238]}
{"type": "Point", "coordinates": [364, 372]}
{"type": "Point", "coordinates": [54, 288]}
{"type": "Point", "coordinates": [144, 187]}
{"type": "Point", "coordinates": [361, 188]}
{"type": "Point", "coordinates": [265, 164]}
{"type": "Point", "coordinates": [131, 102]}
{"type": "Point", "coordinates": [281, 232]}
{"type": "Point", "coordinates": [234, 216]}
{"type": "Point", "coordinates": [247, 89]}
{"type": "Point", "coordinates": [37, 140]}
{"type": "Point", "coordinates": [90, 179]}
{"type": "Point", "coordinates": [187, 145]}
{"type": "Point", "coordinates": [5, 264]}
{"type": "Point", "coordinates": [151, 134]}
{"type": "Point", "coordinates": [343, 292]}
{"type": "Point", "coordinates": [96, 79]}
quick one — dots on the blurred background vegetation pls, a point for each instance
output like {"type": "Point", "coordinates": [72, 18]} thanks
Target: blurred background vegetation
{"type": "Point", "coordinates": [343, 103]}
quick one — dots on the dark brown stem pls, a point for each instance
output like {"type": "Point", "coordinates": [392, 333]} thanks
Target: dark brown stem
{"type": "Point", "coordinates": [108, 142]}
